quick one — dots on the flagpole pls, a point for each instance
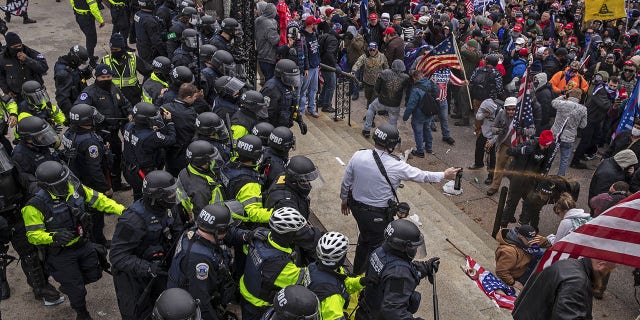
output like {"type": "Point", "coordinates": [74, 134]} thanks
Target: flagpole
{"type": "Point", "coordinates": [464, 73]}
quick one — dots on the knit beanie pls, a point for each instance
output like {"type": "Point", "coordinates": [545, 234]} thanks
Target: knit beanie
{"type": "Point", "coordinates": [625, 158]}
{"type": "Point", "coordinates": [12, 38]}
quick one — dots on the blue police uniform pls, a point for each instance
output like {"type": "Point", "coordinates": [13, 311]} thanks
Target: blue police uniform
{"type": "Point", "coordinates": [184, 119]}
{"type": "Point", "coordinates": [149, 36]}
{"type": "Point", "coordinates": [284, 99]}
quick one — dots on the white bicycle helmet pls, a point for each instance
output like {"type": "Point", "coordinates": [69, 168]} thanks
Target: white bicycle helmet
{"type": "Point", "coordinates": [286, 220]}
{"type": "Point", "coordinates": [332, 247]}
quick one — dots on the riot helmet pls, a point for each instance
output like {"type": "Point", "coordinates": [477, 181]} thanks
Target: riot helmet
{"type": "Point", "coordinates": [161, 67]}
{"type": "Point", "coordinates": [386, 136]}
{"type": "Point", "coordinates": [188, 12]}
{"type": "Point", "coordinates": [404, 236]}
{"type": "Point", "coordinates": [255, 102]}
{"type": "Point", "coordinates": [223, 61]}
{"type": "Point", "coordinates": [190, 37]}
{"type": "Point", "coordinates": [159, 190]}
{"type": "Point", "coordinates": [176, 304]}
{"type": "Point", "coordinates": [180, 75]}
{"type": "Point", "coordinates": [148, 115]}
{"type": "Point", "coordinates": [201, 154]}
{"type": "Point", "coordinates": [332, 249]}
{"type": "Point", "coordinates": [228, 86]}
{"type": "Point", "coordinates": [147, 4]}
{"type": "Point", "coordinates": [210, 125]}
{"type": "Point", "coordinates": [181, 4]}
{"type": "Point", "coordinates": [296, 302]}
{"type": "Point", "coordinates": [249, 148]}
{"type": "Point", "coordinates": [286, 220]}
{"type": "Point", "coordinates": [263, 131]}
{"type": "Point", "coordinates": [36, 131]}
{"type": "Point", "coordinates": [78, 55]}
{"type": "Point", "coordinates": [301, 173]}
{"type": "Point", "coordinates": [207, 51]}
{"type": "Point", "coordinates": [55, 178]}
{"type": "Point", "coordinates": [282, 140]}
{"type": "Point", "coordinates": [85, 115]}
{"type": "Point", "coordinates": [288, 72]}
{"type": "Point", "coordinates": [214, 219]}
{"type": "Point", "coordinates": [35, 93]}
{"type": "Point", "coordinates": [229, 26]}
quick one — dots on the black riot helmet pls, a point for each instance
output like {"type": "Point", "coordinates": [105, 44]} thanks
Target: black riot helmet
{"type": "Point", "coordinates": [208, 20]}
{"type": "Point", "coordinates": [210, 125]}
{"type": "Point", "coordinates": [55, 178]}
{"type": "Point", "coordinates": [404, 236]}
{"type": "Point", "coordinates": [84, 115]}
{"type": "Point", "coordinates": [386, 136]}
{"type": "Point", "coordinates": [214, 219]}
{"type": "Point", "coordinates": [147, 4]}
{"type": "Point", "coordinates": [227, 86]}
{"type": "Point", "coordinates": [208, 25]}
{"type": "Point", "coordinates": [187, 12]}
{"type": "Point", "coordinates": [148, 115]}
{"type": "Point", "coordinates": [176, 304]}
{"type": "Point", "coordinates": [161, 67]}
{"type": "Point", "coordinates": [223, 62]}
{"type": "Point", "coordinates": [282, 140]}
{"type": "Point", "coordinates": [159, 190]}
{"type": "Point", "coordinates": [35, 93]}
{"type": "Point", "coordinates": [249, 148]}
{"type": "Point", "coordinates": [201, 153]}
{"type": "Point", "coordinates": [180, 75]}
{"type": "Point", "coordinates": [262, 130]}
{"type": "Point", "coordinates": [301, 173]}
{"type": "Point", "coordinates": [288, 72]}
{"type": "Point", "coordinates": [229, 26]}
{"type": "Point", "coordinates": [207, 51]}
{"type": "Point", "coordinates": [190, 37]}
{"type": "Point", "coordinates": [296, 302]}
{"type": "Point", "coordinates": [34, 130]}
{"type": "Point", "coordinates": [181, 4]}
{"type": "Point", "coordinates": [255, 102]}
{"type": "Point", "coordinates": [78, 55]}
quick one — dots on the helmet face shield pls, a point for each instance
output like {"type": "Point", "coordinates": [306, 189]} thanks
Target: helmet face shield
{"type": "Point", "coordinates": [291, 79]}
{"type": "Point", "coordinates": [5, 162]}
{"type": "Point", "coordinates": [45, 137]}
{"type": "Point", "coordinates": [39, 97]}
{"type": "Point", "coordinates": [233, 86]}
{"type": "Point", "coordinates": [191, 42]}
{"type": "Point", "coordinates": [156, 121]}
{"type": "Point", "coordinates": [310, 180]}
{"type": "Point", "coordinates": [229, 69]}
{"type": "Point", "coordinates": [221, 131]}
{"type": "Point", "coordinates": [63, 186]}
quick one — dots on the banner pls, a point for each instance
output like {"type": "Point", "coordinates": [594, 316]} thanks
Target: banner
{"type": "Point", "coordinates": [604, 10]}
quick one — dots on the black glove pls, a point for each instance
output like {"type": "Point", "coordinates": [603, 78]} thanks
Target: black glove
{"type": "Point", "coordinates": [248, 236]}
{"type": "Point", "coordinates": [61, 238]}
{"type": "Point", "coordinates": [303, 127]}
{"type": "Point", "coordinates": [368, 281]}
{"type": "Point", "coordinates": [260, 234]}
{"type": "Point", "coordinates": [427, 268]}
{"type": "Point", "coordinates": [155, 269]}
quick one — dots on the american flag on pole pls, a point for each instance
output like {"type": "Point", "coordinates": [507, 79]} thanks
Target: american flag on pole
{"type": "Point", "coordinates": [503, 295]}
{"type": "Point", "coordinates": [612, 236]}
{"type": "Point", "coordinates": [442, 56]}
{"type": "Point", "coordinates": [469, 5]}
{"type": "Point", "coordinates": [630, 111]}
{"type": "Point", "coordinates": [524, 111]}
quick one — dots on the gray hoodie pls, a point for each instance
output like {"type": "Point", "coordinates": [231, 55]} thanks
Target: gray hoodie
{"type": "Point", "coordinates": [266, 33]}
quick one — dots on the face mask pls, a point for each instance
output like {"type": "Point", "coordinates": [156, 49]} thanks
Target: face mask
{"type": "Point", "coordinates": [635, 132]}
{"type": "Point", "coordinates": [530, 22]}
{"type": "Point", "coordinates": [14, 51]}
{"type": "Point", "coordinates": [103, 84]}
{"type": "Point", "coordinates": [118, 55]}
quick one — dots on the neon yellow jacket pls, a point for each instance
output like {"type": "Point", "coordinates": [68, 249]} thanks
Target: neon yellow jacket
{"type": "Point", "coordinates": [93, 9]}
{"type": "Point", "coordinates": [333, 306]}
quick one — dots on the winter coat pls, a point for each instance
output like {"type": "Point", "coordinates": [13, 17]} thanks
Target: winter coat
{"type": "Point", "coordinates": [391, 85]}
{"type": "Point", "coordinates": [371, 66]}
{"type": "Point", "coordinates": [598, 105]}
{"type": "Point", "coordinates": [551, 66]}
{"type": "Point", "coordinates": [573, 112]}
{"type": "Point", "coordinates": [511, 260]}
{"type": "Point", "coordinates": [414, 105]}
{"type": "Point", "coordinates": [355, 48]}
{"type": "Point", "coordinates": [559, 82]}
{"type": "Point", "coordinates": [266, 34]}
{"type": "Point", "coordinates": [572, 219]}
{"type": "Point", "coordinates": [298, 53]}
{"type": "Point", "coordinates": [500, 130]}
{"type": "Point", "coordinates": [609, 171]}
{"type": "Point", "coordinates": [529, 157]}
{"type": "Point", "coordinates": [470, 59]}
{"type": "Point", "coordinates": [518, 67]}
{"type": "Point", "coordinates": [606, 200]}
{"type": "Point", "coordinates": [487, 113]}
{"type": "Point", "coordinates": [329, 48]}
{"type": "Point", "coordinates": [394, 49]}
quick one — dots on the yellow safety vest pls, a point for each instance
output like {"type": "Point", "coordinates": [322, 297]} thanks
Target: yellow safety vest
{"type": "Point", "coordinates": [124, 79]}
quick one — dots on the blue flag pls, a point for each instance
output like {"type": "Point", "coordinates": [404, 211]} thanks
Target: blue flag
{"type": "Point", "coordinates": [630, 111]}
{"type": "Point", "coordinates": [364, 15]}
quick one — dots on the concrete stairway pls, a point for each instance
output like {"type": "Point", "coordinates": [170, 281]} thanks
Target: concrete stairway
{"type": "Point", "coordinates": [329, 143]}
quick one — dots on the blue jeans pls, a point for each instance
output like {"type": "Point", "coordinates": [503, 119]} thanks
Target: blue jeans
{"type": "Point", "coordinates": [375, 106]}
{"type": "Point", "coordinates": [565, 153]}
{"type": "Point", "coordinates": [422, 133]}
{"type": "Point", "coordinates": [308, 91]}
{"type": "Point", "coordinates": [268, 70]}
{"type": "Point", "coordinates": [443, 115]}
{"type": "Point", "coordinates": [326, 95]}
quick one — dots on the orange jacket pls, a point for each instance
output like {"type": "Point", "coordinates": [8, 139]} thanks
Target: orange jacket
{"type": "Point", "coordinates": [559, 82]}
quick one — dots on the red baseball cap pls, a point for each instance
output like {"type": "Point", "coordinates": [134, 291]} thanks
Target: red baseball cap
{"type": "Point", "coordinates": [523, 52]}
{"type": "Point", "coordinates": [311, 20]}
{"type": "Point", "coordinates": [517, 28]}
{"type": "Point", "coordinates": [569, 26]}
{"type": "Point", "coordinates": [373, 16]}
{"type": "Point", "coordinates": [520, 21]}
{"type": "Point", "coordinates": [546, 138]}
{"type": "Point", "coordinates": [389, 30]}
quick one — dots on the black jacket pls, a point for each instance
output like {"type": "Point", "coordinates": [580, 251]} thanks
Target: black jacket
{"type": "Point", "coordinates": [13, 72]}
{"type": "Point", "coordinates": [544, 96]}
{"type": "Point", "coordinates": [560, 292]}
{"type": "Point", "coordinates": [606, 174]}
{"type": "Point", "coordinates": [329, 48]}
{"type": "Point", "coordinates": [529, 157]}
{"type": "Point", "coordinates": [598, 105]}
{"type": "Point", "coordinates": [69, 82]}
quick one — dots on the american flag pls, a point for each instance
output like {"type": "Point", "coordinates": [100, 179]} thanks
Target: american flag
{"type": "Point", "coordinates": [469, 5]}
{"type": "Point", "coordinates": [630, 111]}
{"type": "Point", "coordinates": [442, 56]}
{"type": "Point", "coordinates": [524, 111]}
{"type": "Point", "coordinates": [612, 236]}
{"type": "Point", "coordinates": [503, 295]}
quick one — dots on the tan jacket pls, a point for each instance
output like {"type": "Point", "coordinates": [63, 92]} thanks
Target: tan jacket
{"type": "Point", "coordinates": [511, 261]}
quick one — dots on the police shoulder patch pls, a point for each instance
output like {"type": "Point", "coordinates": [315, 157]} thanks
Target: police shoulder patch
{"type": "Point", "coordinates": [93, 151]}
{"type": "Point", "coordinates": [160, 135]}
{"type": "Point", "coordinates": [84, 96]}
{"type": "Point", "coordinates": [202, 271]}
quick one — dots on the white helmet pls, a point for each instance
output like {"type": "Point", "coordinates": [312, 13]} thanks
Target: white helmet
{"type": "Point", "coordinates": [332, 247]}
{"type": "Point", "coordinates": [286, 219]}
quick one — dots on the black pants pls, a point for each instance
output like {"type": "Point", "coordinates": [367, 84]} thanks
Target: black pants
{"type": "Point", "coordinates": [175, 161]}
{"type": "Point", "coordinates": [87, 25]}
{"type": "Point", "coordinates": [115, 167]}
{"type": "Point", "coordinates": [519, 188]}
{"type": "Point", "coordinates": [135, 181]}
{"type": "Point", "coordinates": [590, 136]}
{"type": "Point", "coordinates": [371, 224]}
{"type": "Point", "coordinates": [533, 203]}
{"type": "Point", "coordinates": [74, 268]}
{"type": "Point", "coordinates": [129, 288]}
{"type": "Point", "coordinates": [480, 152]}
{"type": "Point", "coordinates": [120, 20]}
{"type": "Point", "coordinates": [251, 312]}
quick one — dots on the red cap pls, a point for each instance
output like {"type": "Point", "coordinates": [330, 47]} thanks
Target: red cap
{"type": "Point", "coordinates": [311, 20]}
{"type": "Point", "coordinates": [328, 12]}
{"type": "Point", "coordinates": [520, 21]}
{"type": "Point", "coordinates": [523, 52]}
{"type": "Point", "coordinates": [373, 16]}
{"type": "Point", "coordinates": [629, 63]}
{"type": "Point", "coordinates": [546, 138]}
{"type": "Point", "coordinates": [569, 26]}
{"type": "Point", "coordinates": [517, 28]}
{"type": "Point", "coordinates": [416, 17]}
{"type": "Point", "coordinates": [622, 94]}
{"type": "Point", "coordinates": [389, 30]}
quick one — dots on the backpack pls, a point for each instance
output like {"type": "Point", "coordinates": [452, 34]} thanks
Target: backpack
{"type": "Point", "coordinates": [428, 103]}
{"type": "Point", "coordinates": [480, 86]}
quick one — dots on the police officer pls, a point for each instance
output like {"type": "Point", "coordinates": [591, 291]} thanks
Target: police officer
{"type": "Point", "coordinates": [329, 281]}
{"type": "Point", "coordinates": [178, 76]}
{"type": "Point", "coordinates": [212, 129]}
{"type": "Point", "coordinates": [184, 118]}
{"type": "Point", "coordinates": [366, 192]}
{"type": "Point", "coordinates": [223, 39]}
{"type": "Point", "coordinates": [178, 25]}
{"type": "Point", "coordinates": [87, 13]}
{"type": "Point", "coordinates": [19, 64]}
{"type": "Point", "coordinates": [149, 32]}
{"type": "Point", "coordinates": [208, 26]}
{"type": "Point", "coordinates": [282, 89]}
{"type": "Point", "coordinates": [242, 181]}
{"type": "Point", "coordinates": [395, 275]}
{"type": "Point", "coordinates": [269, 264]}
{"type": "Point", "coordinates": [276, 155]}
{"type": "Point", "coordinates": [120, 19]}
{"type": "Point", "coordinates": [36, 102]}
{"type": "Point", "coordinates": [123, 65]}
{"type": "Point", "coordinates": [88, 159]}
{"type": "Point", "coordinates": [143, 239]}
{"type": "Point", "coordinates": [71, 76]}
{"type": "Point", "coordinates": [11, 198]}
{"type": "Point", "coordinates": [294, 302]}
{"type": "Point", "coordinates": [203, 260]}
{"type": "Point", "coordinates": [207, 75]}
{"type": "Point", "coordinates": [228, 90]}
{"type": "Point", "coordinates": [219, 64]}
{"type": "Point", "coordinates": [176, 304]}
{"type": "Point", "coordinates": [198, 179]}
{"type": "Point", "coordinates": [55, 217]}
{"type": "Point", "coordinates": [263, 130]}
{"type": "Point", "coordinates": [143, 140]}
{"type": "Point", "coordinates": [185, 54]}
{"type": "Point", "coordinates": [292, 187]}
{"type": "Point", "coordinates": [166, 12]}
{"type": "Point", "coordinates": [157, 82]}
{"type": "Point", "coordinates": [8, 119]}
{"type": "Point", "coordinates": [253, 108]}
{"type": "Point", "coordinates": [112, 104]}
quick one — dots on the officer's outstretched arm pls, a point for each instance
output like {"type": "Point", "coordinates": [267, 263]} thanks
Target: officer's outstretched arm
{"type": "Point", "coordinates": [250, 196]}
{"type": "Point", "coordinates": [292, 274]}
{"type": "Point", "coordinates": [353, 285]}
{"type": "Point", "coordinates": [34, 224]}
{"type": "Point", "coordinates": [58, 116]}
{"type": "Point", "coordinates": [332, 307]}
{"type": "Point", "coordinates": [101, 203]}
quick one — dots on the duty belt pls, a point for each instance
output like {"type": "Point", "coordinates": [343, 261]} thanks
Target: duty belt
{"type": "Point", "coordinates": [367, 207]}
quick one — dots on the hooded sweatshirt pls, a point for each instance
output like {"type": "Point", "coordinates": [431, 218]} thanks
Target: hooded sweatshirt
{"type": "Point", "coordinates": [573, 219]}
{"type": "Point", "coordinates": [266, 34]}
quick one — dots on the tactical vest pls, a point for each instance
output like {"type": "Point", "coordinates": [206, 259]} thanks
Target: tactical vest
{"type": "Point", "coordinates": [157, 231]}
{"type": "Point", "coordinates": [70, 141]}
{"type": "Point", "coordinates": [325, 283]}
{"type": "Point", "coordinates": [259, 282]}
{"type": "Point", "coordinates": [43, 112]}
{"type": "Point", "coordinates": [245, 119]}
{"type": "Point", "coordinates": [288, 98]}
{"type": "Point", "coordinates": [128, 77]}
{"type": "Point", "coordinates": [189, 180]}
{"type": "Point", "coordinates": [134, 140]}
{"type": "Point", "coordinates": [279, 190]}
{"type": "Point", "coordinates": [75, 78]}
{"type": "Point", "coordinates": [60, 215]}
{"type": "Point", "coordinates": [234, 177]}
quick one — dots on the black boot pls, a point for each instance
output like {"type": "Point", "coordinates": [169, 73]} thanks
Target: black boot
{"type": "Point", "coordinates": [42, 289]}
{"type": "Point", "coordinates": [83, 314]}
{"type": "Point", "coordinates": [26, 20]}
{"type": "Point", "coordinates": [5, 291]}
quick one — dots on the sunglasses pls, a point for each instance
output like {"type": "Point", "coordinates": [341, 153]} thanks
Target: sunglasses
{"type": "Point", "coordinates": [629, 70]}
